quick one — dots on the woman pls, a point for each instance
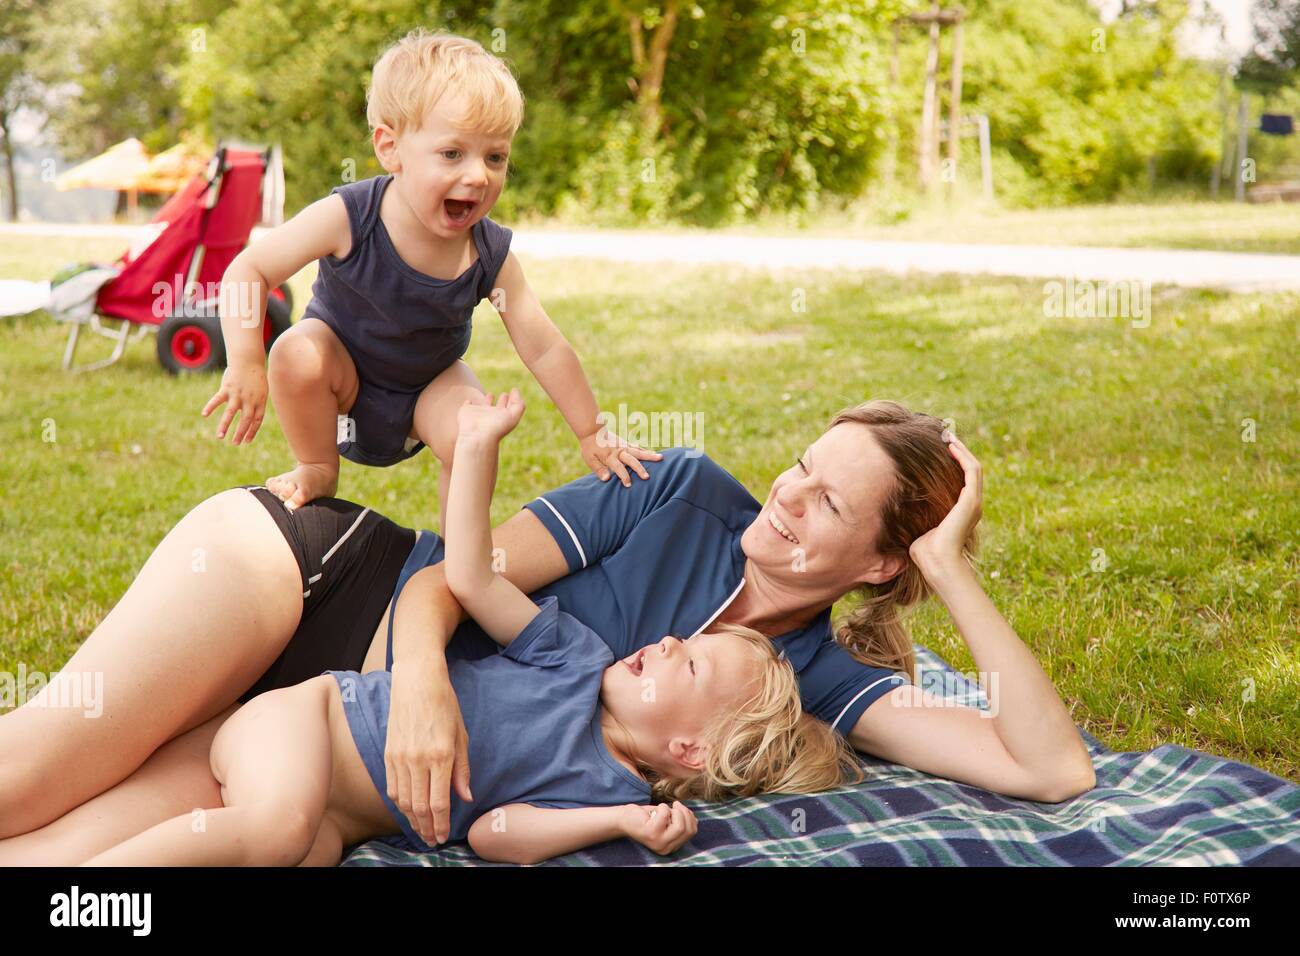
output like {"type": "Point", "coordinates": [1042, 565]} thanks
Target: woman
{"type": "Point", "coordinates": [231, 604]}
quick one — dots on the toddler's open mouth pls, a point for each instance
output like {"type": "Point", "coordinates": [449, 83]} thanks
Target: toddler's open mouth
{"type": "Point", "coordinates": [458, 210]}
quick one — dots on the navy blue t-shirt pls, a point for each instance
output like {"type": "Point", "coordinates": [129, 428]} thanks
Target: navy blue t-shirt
{"type": "Point", "coordinates": [664, 557]}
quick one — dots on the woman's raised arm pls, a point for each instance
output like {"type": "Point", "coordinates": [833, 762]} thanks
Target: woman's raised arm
{"type": "Point", "coordinates": [427, 747]}
{"type": "Point", "coordinates": [1026, 744]}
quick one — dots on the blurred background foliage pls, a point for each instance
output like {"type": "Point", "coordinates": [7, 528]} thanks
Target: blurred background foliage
{"type": "Point", "coordinates": [760, 107]}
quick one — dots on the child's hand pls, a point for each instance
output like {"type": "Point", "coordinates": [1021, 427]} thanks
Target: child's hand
{"type": "Point", "coordinates": [661, 828]}
{"type": "Point", "coordinates": [603, 450]}
{"type": "Point", "coordinates": [483, 419]}
{"type": "Point", "coordinates": [244, 388]}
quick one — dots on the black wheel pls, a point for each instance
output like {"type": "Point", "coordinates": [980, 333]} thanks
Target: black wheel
{"type": "Point", "coordinates": [278, 321]}
{"type": "Point", "coordinates": [191, 342]}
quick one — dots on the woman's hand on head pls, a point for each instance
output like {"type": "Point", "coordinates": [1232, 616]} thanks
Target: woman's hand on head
{"type": "Point", "coordinates": [427, 750]}
{"type": "Point", "coordinates": [940, 548]}
{"type": "Point", "coordinates": [606, 453]}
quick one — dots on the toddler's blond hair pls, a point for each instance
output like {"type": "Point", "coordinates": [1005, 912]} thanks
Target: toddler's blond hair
{"type": "Point", "coordinates": [414, 73]}
{"type": "Point", "coordinates": [767, 744]}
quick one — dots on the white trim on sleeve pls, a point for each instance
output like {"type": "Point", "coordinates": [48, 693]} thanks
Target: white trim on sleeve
{"type": "Point", "coordinates": [840, 715]}
{"type": "Point", "coordinates": [576, 543]}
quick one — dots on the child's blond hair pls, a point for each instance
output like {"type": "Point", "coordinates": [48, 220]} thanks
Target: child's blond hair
{"type": "Point", "coordinates": [415, 72]}
{"type": "Point", "coordinates": [767, 744]}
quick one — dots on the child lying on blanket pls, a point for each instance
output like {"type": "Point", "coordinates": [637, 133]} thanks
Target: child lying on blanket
{"type": "Point", "coordinates": [568, 747]}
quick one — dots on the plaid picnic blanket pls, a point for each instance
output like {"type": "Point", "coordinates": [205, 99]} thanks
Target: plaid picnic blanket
{"type": "Point", "coordinates": [1167, 806]}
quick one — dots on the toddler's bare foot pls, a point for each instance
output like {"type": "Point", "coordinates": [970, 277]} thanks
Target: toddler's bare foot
{"type": "Point", "coordinates": [305, 483]}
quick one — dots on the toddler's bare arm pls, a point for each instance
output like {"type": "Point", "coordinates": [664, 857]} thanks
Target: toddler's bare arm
{"type": "Point", "coordinates": [320, 230]}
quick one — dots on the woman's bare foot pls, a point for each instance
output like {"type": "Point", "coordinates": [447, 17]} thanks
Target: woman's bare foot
{"type": "Point", "coordinates": [305, 483]}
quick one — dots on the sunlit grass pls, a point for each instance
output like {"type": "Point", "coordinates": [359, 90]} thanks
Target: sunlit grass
{"type": "Point", "coordinates": [1141, 548]}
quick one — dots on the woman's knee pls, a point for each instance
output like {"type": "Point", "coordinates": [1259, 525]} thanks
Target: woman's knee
{"type": "Point", "coordinates": [38, 771]}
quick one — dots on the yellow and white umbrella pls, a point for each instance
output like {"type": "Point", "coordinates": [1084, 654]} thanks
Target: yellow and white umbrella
{"type": "Point", "coordinates": [170, 170]}
{"type": "Point", "coordinates": [116, 168]}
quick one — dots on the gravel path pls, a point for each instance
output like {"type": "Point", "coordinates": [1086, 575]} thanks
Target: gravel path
{"type": "Point", "coordinates": [1225, 270]}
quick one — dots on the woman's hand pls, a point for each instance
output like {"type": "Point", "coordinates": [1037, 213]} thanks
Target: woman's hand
{"type": "Point", "coordinates": [604, 451]}
{"type": "Point", "coordinates": [427, 749]}
{"type": "Point", "coordinates": [493, 422]}
{"type": "Point", "coordinates": [940, 548]}
{"type": "Point", "coordinates": [661, 828]}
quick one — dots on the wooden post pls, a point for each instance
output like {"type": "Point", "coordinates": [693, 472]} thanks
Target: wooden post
{"type": "Point", "coordinates": [891, 152]}
{"type": "Point", "coordinates": [929, 136]}
{"type": "Point", "coordinates": [986, 157]}
{"type": "Point", "coordinates": [954, 107]}
{"type": "Point", "coordinates": [929, 147]}
{"type": "Point", "coordinates": [1243, 120]}
{"type": "Point", "coordinates": [1216, 174]}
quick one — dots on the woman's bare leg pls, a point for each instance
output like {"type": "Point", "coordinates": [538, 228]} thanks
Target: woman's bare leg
{"type": "Point", "coordinates": [177, 779]}
{"type": "Point", "coordinates": [274, 764]}
{"type": "Point", "coordinates": [209, 612]}
{"type": "Point", "coordinates": [313, 380]}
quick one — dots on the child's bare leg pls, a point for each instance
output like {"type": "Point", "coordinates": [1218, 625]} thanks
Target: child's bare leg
{"type": "Point", "coordinates": [273, 760]}
{"type": "Point", "coordinates": [176, 779]}
{"type": "Point", "coordinates": [435, 418]}
{"type": "Point", "coordinates": [312, 381]}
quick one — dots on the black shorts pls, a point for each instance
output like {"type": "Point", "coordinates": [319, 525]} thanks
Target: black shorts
{"type": "Point", "coordinates": [350, 558]}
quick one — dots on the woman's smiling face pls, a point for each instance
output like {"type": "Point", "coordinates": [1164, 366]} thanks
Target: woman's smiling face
{"type": "Point", "coordinates": [821, 518]}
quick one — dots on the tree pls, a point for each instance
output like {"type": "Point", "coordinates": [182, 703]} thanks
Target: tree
{"type": "Point", "coordinates": [107, 69]}
{"type": "Point", "coordinates": [18, 44]}
{"type": "Point", "coordinates": [649, 67]}
{"type": "Point", "coordinates": [1274, 58]}
{"type": "Point", "coordinates": [635, 112]}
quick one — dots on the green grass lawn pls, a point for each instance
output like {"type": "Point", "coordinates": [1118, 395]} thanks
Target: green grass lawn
{"type": "Point", "coordinates": [1095, 437]}
{"type": "Point", "coordinates": [1223, 226]}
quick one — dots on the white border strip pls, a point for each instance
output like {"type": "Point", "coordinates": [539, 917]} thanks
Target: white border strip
{"type": "Point", "coordinates": [840, 716]}
{"type": "Point", "coordinates": [725, 604]}
{"type": "Point", "coordinates": [576, 543]}
{"type": "Point", "coordinates": [339, 543]}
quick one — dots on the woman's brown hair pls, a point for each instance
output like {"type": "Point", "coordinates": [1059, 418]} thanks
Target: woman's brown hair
{"type": "Point", "coordinates": [927, 482]}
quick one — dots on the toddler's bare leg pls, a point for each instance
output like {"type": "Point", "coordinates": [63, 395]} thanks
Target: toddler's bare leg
{"type": "Point", "coordinates": [273, 760]}
{"type": "Point", "coordinates": [312, 381]}
{"type": "Point", "coordinates": [435, 418]}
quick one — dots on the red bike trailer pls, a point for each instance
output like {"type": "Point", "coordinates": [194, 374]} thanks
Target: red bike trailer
{"type": "Point", "coordinates": [172, 286]}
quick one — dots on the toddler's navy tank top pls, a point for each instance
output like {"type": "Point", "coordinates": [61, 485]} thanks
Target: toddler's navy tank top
{"type": "Point", "coordinates": [400, 326]}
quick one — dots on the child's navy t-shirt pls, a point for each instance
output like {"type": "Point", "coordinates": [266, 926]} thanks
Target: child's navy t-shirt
{"type": "Point", "coordinates": [532, 713]}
